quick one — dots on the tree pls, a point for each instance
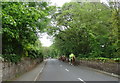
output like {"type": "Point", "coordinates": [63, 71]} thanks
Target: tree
{"type": "Point", "coordinates": [84, 29]}
{"type": "Point", "coordinates": [21, 23]}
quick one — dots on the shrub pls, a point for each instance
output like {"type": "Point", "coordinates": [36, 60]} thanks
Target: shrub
{"type": "Point", "coordinates": [12, 58]}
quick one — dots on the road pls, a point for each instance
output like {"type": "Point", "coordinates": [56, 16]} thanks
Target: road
{"type": "Point", "coordinates": [56, 70]}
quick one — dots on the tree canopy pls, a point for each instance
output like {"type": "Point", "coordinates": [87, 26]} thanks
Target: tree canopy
{"type": "Point", "coordinates": [21, 23]}
{"type": "Point", "coordinates": [86, 29]}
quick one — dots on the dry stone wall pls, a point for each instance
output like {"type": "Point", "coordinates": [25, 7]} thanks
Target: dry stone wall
{"type": "Point", "coordinates": [11, 70]}
{"type": "Point", "coordinates": [104, 66]}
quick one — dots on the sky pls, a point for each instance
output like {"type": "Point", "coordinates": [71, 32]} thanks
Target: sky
{"type": "Point", "coordinates": [59, 2]}
{"type": "Point", "coordinates": [45, 38]}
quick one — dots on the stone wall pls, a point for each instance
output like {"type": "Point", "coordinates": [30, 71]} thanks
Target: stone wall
{"type": "Point", "coordinates": [104, 66]}
{"type": "Point", "coordinates": [11, 70]}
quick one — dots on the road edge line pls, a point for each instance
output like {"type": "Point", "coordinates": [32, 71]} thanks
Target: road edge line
{"type": "Point", "coordinates": [107, 73]}
{"type": "Point", "coordinates": [104, 72]}
{"type": "Point", "coordinates": [40, 72]}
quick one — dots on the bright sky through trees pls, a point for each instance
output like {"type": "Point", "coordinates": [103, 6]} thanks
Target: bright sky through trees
{"type": "Point", "coordinates": [59, 2]}
{"type": "Point", "coordinates": [45, 38]}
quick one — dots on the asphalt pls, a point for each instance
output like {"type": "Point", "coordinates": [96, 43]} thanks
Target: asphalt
{"type": "Point", "coordinates": [55, 70]}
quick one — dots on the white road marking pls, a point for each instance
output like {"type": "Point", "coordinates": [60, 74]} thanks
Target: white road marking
{"type": "Point", "coordinates": [67, 70]}
{"type": "Point", "coordinates": [81, 80]}
{"type": "Point", "coordinates": [39, 73]}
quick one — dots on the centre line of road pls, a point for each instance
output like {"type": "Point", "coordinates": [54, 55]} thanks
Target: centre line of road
{"type": "Point", "coordinates": [67, 70]}
{"type": "Point", "coordinates": [81, 80]}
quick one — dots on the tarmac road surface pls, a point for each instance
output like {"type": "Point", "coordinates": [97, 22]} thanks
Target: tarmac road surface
{"type": "Point", "coordinates": [56, 70]}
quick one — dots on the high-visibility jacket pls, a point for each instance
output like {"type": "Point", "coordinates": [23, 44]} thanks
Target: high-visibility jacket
{"type": "Point", "coordinates": [71, 56]}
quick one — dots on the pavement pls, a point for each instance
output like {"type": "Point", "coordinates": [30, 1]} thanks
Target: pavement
{"type": "Point", "coordinates": [33, 74]}
{"type": "Point", "coordinates": [55, 70]}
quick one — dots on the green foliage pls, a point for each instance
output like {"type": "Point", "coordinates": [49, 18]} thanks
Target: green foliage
{"type": "Point", "coordinates": [12, 58]}
{"type": "Point", "coordinates": [102, 59]}
{"type": "Point", "coordinates": [50, 52]}
{"type": "Point", "coordinates": [86, 29]}
{"type": "Point", "coordinates": [35, 51]}
{"type": "Point", "coordinates": [35, 54]}
{"type": "Point", "coordinates": [21, 23]}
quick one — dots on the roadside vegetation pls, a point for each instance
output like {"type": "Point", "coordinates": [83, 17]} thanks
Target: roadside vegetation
{"type": "Point", "coordinates": [89, 30]}
{"type": "Point", "coordinates": [21, 24]}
